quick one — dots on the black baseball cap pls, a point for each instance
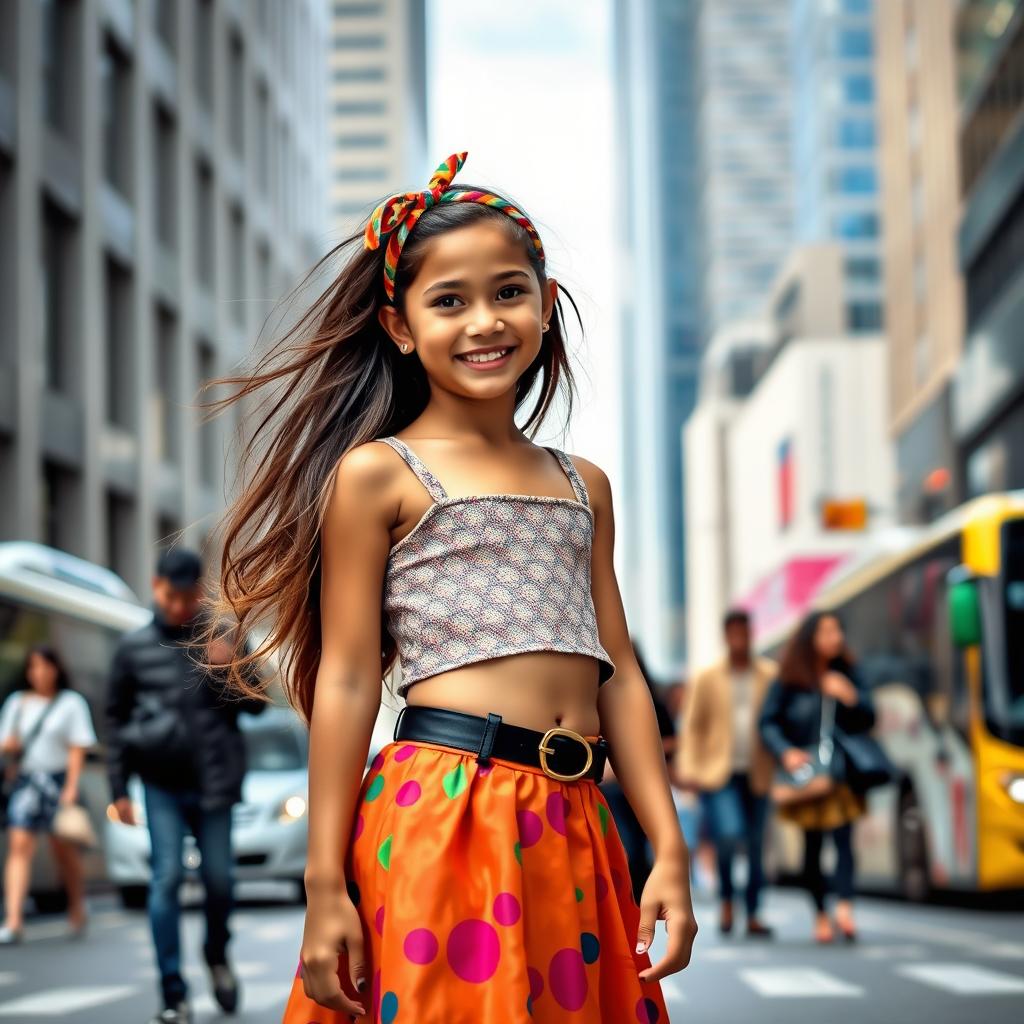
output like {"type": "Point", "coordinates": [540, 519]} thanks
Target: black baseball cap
{"type": "Point", "coordinates": [181, 567]}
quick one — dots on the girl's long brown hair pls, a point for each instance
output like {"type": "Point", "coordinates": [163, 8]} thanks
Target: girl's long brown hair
{"type": "Point", "coordinates": [799, 665]}
{"type": "Point", "coordinates": [332, 382]}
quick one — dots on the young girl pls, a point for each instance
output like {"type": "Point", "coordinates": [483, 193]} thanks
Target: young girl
{"type": "Point", "coordinates": [474, 874]}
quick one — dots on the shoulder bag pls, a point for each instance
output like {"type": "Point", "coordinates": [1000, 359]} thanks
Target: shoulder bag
{"type": "Point", "coordinates": [816, 777]}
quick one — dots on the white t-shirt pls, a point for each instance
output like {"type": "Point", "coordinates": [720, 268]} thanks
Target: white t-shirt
{"type": "Point", "coordinates": [68, 724]}
{"type": "Point", "coordinates": [742, 722]}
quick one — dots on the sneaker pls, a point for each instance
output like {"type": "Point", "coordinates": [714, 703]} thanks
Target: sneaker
{"type": "Point", "coordinates": [9, 936]}
{"type": "Point", "coordinates": [225, 987]}
{"type": "Point", "coordinates": [180, 1014]}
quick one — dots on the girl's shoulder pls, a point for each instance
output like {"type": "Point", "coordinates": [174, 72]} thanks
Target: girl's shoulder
{"type": "Point", "coordinates": [598, 485]}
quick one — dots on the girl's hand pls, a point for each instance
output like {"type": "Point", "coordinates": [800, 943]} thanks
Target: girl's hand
{"type": "Point", "coordinates": [11, 746]}
{"type": "Point", "coordinates": [793, 758]}
{"type": "Point", "coordinates": [332, 924]}
{"type": "Point", "coordinates": [836, 685]}
{"type": "Point", "coordinates": [666, 897]}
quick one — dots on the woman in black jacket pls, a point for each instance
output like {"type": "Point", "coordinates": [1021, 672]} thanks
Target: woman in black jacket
{"type": "Point", "coordinates": [817, 665]}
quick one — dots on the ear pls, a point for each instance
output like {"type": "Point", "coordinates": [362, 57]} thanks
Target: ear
{"type": "Point", "coordinates": [548, 305]}
{"type": "Point", "coordinates": [394, 323]}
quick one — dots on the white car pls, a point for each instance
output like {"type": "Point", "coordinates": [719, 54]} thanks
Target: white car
{"type": "Point", "coordinates": [269, 833]}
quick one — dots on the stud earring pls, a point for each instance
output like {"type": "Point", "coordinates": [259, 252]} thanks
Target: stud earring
{"type": "Point", "coordinates": [546, 326]}
{"type": "Point", "coordinates": [405, 348]}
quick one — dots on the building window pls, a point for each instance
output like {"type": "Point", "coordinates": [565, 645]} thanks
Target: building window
{"type": "Point", "coordinates": [120, 348]}
{"type": "Point", "coordinates": [854, 180]}
{"type": "Point", "coordinates": [356, 10]}
{"type": "Point", "coordinates": [206, 370]}
{"type": "Point", "coordinates": [166, 431]}
{"type": "Point", "coordinates": [121, 528]}
{"type": "Point", "coordinates": [377, 173]}
{"type": "Point", "coordinates": [165, 22]}
{"type": "Point", "coordinates": [344, 41]}
{"type": "Point", "coordinates": [202, 51]}
{"type": "Point", "coordinates": [863, 269]}
{"type": "Point", "coordinates": [263, 129]}
{"type": "Point", "coordinates": [59, 61]}
{"type": "Point", "coordinates": [165, 204]}
{"type": "Point", "coordinates": [115, 96]}
{"type": "Point", "coordinates": [855, 133]}
{"type": "Point", "coordinates": [205, 255]}
{"type": "Point", "coordinates": [997, 265]}
{"type": "Point", "coordinates": [237, 297]}
{"type": "Point", "coordinates": [855, 224]}
{"type": "Point", "coordinates": [864, 316]}
{"type": "Point", "coordinates": [58, 505]}
{"type": "Point", "coordinates": [854, 43]}
{"type": "Point", "coordinates": [367, 74]}
{"type": "Point", "coordinates": [56, 297]}
{"type": "Point", "coordinates": [346, 108]}
{"type": "Point", "coordinates": [368, 140]}
{"type": "Point", "coordinates": [858, 89]}
{"type": "Point", "coordinates": [236, 92]}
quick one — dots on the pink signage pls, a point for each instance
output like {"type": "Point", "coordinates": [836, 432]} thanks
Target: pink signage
{"type": "Point", "coordinates": [784, 595]}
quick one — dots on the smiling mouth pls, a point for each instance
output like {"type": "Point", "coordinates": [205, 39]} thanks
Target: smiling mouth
{"type": "Point", "coordinates": [485, 356]}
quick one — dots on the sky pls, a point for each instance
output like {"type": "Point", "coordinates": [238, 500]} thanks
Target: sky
{"type": "Point", "coordinates": [529, 97]}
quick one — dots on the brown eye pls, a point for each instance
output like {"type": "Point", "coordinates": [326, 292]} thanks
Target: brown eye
{"type": "Point", "coordinates": [513, 288]}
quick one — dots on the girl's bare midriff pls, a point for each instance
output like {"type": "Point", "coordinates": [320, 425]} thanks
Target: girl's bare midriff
{"type": "Point", "coordinates": [537, 690]}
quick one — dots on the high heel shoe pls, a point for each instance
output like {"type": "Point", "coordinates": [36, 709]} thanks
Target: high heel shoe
{"type": "Point", "coordinates": [823, 933]}
{"type": "Point", "coordinates": [10, 936]}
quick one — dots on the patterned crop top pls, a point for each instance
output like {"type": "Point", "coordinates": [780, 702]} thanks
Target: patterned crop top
{"type": "Point", "coordinates": [489, 575]}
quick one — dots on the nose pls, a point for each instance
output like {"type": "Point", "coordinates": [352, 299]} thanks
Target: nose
{"type": "Point", "coordinates": [484, 323]}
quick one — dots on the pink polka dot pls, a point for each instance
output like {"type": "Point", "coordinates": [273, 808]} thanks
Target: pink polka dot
{"type": "Point", "coordinates": [408, 794]}
{"type": "Point", "coordinates": [616, 879]}
{"type": "Point", "coordinates": [378, 920]}
{"type": "Point", "coordinates": [420, 945]}
{"type": "Point", "coordinates": [377, 763]}
{"type": "Point", "coordinates": [536, 982]}
{"type": "Point", "coordinates": [359, 828]}
{"type": "Point", "coordinates": [568, 978]}
{"type": "Point", "coordinates": [405, 752]}
{"type": "Point", "coordinates": [647, 1011]}
{"type": "Point", "coordinates": [558, 808]}
{"type": "Point", "coordinates": [530, 828]}
{"type": "Point", "coordinates": [473, 950]}
{"type": "Point", "coordinates": [506, 908]}
{"type": "Point", "coordinates": [601, 885]}
{"type": "Point", "coordinates": [484, 770]}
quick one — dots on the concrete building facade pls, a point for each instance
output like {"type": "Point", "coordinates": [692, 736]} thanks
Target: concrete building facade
{"type": "Point", "coordinates": [161, 184]}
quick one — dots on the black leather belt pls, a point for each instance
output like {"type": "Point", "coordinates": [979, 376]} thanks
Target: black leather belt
{"type": "Point", "coordinates": [560, 753]}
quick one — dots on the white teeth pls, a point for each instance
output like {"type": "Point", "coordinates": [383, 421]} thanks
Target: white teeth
{"type": "Point", "coordinates": [487, 357]}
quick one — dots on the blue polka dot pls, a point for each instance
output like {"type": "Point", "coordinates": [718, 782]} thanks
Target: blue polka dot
{"type": "Point", "coordinates": [353, 893]}
{"type": "Point", "coordinates": [388, 1008]}
{"type": "Point", "coordinates": [589, 947]}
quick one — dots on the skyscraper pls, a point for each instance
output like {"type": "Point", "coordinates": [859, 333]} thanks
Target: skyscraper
{"type": "Point", "coordinates": [161, 184]}
{"type": "Point", "coordinates": [378, 103]}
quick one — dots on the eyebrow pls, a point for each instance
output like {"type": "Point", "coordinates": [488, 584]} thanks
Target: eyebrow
{"type": "Point", "coordinates": [503, 276]}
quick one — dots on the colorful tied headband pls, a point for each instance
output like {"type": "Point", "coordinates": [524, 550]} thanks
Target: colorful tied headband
{"type": "Point", "coordinates": [397, 216]}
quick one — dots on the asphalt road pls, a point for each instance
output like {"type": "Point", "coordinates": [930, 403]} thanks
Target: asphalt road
{"type": "Point", "coordinates": [912, 964]}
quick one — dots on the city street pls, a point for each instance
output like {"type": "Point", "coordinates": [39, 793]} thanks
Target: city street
{"type": "Point", "coordinates": [934, 964]}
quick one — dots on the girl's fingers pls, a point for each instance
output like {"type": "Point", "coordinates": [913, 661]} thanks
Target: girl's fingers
{"type": "Point", "coordinates": [681, 932]}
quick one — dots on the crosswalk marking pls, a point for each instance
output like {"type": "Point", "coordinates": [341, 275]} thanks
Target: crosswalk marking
{"type": "Point", "coordinates": [903, 952]}
{"type": "Point", "coordinates": [255, 996]}
{"type": "Point", "coordinates": [56, 1001]}
{"type": "Point", "coordinates": [796, 982]}
{"type": "Point", "coordinates": [963, 979]}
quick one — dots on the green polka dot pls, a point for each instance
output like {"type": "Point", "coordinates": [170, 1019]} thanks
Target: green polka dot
{"type": "Point", "coordinates": [518, 851]}
{"type": "Point", "coordinates": [384, 854]}
{"type": "Point", "coordinates": [455, 781]}
{"type": "Point", "coordinates": [602, 813]}
{"type": "Point", "coordinates": [373, 790]}
{"type": "Point", "coordinates": [579, 895]}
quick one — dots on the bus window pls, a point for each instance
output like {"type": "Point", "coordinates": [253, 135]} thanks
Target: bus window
{"type": "Point", "coordinates": [1013, 617]}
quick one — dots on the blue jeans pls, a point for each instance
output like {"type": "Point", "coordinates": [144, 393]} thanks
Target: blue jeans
{"type": "Point", "coordinates": [735, 816]}
{"type": "Point", "coordinates": [170, 814]}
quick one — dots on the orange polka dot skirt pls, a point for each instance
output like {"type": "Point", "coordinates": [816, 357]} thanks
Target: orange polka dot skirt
{"type": "Point", "coordinates": [489, 894]}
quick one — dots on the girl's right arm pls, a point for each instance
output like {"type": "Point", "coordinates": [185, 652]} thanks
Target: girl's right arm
{"type": "Point", "coordinates": [355, 540]}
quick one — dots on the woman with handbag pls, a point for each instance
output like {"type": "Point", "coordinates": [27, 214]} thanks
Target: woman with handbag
{"type": "Point", "coordinates": [45, 731]}
{"type": "Point", "coordinates": [816, 702]}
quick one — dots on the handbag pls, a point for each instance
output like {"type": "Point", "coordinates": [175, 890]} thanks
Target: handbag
{"type": "Point", "coordinates": [814, 778]}
{"type": "Point", "coordinates": [72, 824]}
{"type": "Point", "coordinates": [867, 765]}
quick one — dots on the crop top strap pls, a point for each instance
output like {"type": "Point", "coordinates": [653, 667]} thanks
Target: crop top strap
{"type": "Point", "coordinates": [432, 484]}
{"type": "Point", "coordinates": [578, 486]}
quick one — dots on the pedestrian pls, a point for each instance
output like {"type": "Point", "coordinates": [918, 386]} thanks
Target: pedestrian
{"type": "Point", "coordinates": [171, 722]}
{"type": "Point", "coordinates": [818, 685]}
{"type": "Point", "coordinates": [475, 873]}
{"type": "Point", "coordinates": [45, 732]}
{"type": "Point", "coordinates": [722, 756]}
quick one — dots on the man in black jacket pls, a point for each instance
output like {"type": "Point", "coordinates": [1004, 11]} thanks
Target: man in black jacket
{"type": "Point", "coordinates": [171, 722]}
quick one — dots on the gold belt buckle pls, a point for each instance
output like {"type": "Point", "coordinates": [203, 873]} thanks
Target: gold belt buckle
{"type": "Point", "coordinates": [544, 750]}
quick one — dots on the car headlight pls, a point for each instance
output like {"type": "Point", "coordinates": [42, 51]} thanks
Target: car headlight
{"type": "Point", "coordinates": [1015, 788]}
{"type": "Point", "coordinates": [292, 809]}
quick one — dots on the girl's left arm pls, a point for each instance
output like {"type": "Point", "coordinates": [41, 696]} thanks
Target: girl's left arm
{"type": "Point", "coordinates": [629, 723]}
{"type": "Point", "coordinates": [76, 759]}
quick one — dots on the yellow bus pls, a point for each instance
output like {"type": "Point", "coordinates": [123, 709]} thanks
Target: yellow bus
{"type": "Point", "coordinates": [937, 627]}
